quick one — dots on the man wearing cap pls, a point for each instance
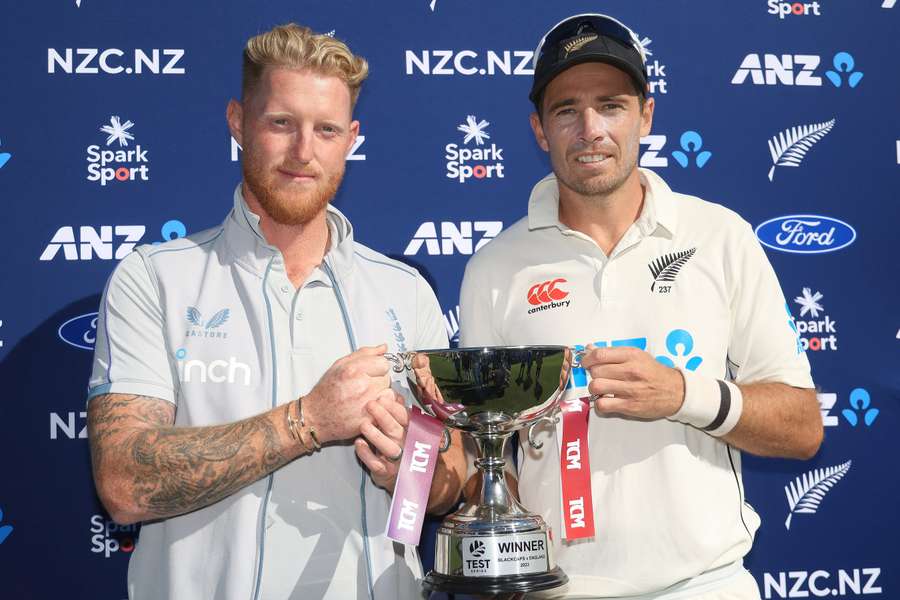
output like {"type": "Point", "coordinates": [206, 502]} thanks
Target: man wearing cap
{"type": "Point", "coordinates": [690, 358]}
{"type": "Point", "coordinates": [239, 404]}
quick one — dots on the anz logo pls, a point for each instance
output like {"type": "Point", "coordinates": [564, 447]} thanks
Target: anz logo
{"type": "Point", "coordinates": [689, 154]}
{"type": "Point", "coordinates": [90, 243]}
{"type": "Point", "coordinates": [796, 70]}
{"type": "Point", "coordinates": [454, 238]}
{"type": "Point", "coordinates": [679, 348]}
{"type": "Point", "coordinates": [111, 242]}
{"type": "Point", "coordinates": [236, 149]}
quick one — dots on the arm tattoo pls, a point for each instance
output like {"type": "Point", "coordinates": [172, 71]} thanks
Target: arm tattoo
{"type": "Point", "coordinates": [168, 470]}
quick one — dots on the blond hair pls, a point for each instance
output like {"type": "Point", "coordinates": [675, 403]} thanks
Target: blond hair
{"type": "Point", "coordinates": [298, 47]}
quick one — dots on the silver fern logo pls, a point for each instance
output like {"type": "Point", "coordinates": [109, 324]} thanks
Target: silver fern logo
{"type": "Point", "coordinates": [666, 267]}
{"type": "Point", "coordinates": [806, 492]}
{"type": "Point", "coordinates": [789, 147]}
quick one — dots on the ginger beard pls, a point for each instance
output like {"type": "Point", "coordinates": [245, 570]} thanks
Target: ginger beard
{"type": "Point", "coordinates": [285, 202]}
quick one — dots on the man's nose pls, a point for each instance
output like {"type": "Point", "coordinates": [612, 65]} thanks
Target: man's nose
{"type": "Point", "coordinates": [302, 149]}
{"type": "Point", "coordinates": [593, 126]}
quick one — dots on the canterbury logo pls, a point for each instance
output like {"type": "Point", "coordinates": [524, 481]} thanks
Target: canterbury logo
{"type": "Point", "coordinates": [578, 43]}
{"type": "Point", "coordinates": [547, 291]}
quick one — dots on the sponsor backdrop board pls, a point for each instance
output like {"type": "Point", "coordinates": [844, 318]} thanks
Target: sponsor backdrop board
{"type": "Point", "coordinates": [112, 133]}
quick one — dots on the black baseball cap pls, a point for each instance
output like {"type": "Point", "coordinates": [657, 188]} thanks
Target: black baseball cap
{"type": "Point", "coordinates": [589, 37]}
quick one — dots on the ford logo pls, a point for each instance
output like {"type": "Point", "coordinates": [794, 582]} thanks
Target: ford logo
{"type": "Point", "coordinates": [80, 332]}
{"type": "Point", "coordinates": [805, 234]}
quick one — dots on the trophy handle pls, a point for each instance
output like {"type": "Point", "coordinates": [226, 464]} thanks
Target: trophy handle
{"type": "Point", "coordinates": [400, 361]}
{"type": "Point", "coordinates": [533, 442]}
{"type": "Point", "coordinates": [445, 440]}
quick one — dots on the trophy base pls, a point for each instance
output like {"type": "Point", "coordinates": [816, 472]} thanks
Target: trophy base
{"type": "Point", "coordinates": [454, 584]}
{"type": "Point", "coordinates": [507, 554]}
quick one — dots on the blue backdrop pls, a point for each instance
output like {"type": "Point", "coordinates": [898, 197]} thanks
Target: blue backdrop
{"type": "Point", "coordinates": [112, 132]}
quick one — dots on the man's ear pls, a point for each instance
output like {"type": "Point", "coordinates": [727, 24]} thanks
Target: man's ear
{"type": "Point", "coordinates": [647, 117]}
{"type": "Point", "coordinates": [538, 128]}
{"type": "Point", "coordinates": [234, 114]}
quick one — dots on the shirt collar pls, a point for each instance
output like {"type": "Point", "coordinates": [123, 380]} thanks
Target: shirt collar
{"type": "Point", "coordinates": [249, 244]}
{"type": "Point", "coordinates": [658, 210]}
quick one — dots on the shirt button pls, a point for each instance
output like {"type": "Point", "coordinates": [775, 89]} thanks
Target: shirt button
{"type": "Point", "coordinates": [299, 316]}
{"type": "Point", "coordinates": [285, 289]}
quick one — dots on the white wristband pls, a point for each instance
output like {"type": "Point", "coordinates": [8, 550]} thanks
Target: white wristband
{"type": "Point", "coordinates": [713, 405]}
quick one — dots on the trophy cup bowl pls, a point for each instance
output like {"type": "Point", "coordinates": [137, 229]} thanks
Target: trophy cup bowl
{"type": "Point", "coordinates": [492, 545]}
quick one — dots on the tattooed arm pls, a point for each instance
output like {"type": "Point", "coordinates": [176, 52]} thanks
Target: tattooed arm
{"type": "Point", "coordinates": [145, 468]}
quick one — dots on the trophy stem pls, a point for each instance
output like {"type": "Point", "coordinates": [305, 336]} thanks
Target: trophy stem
{"type": "Point", "coordinates": [495, 496]}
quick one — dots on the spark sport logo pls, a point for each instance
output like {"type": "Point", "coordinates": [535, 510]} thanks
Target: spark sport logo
{"type": "Point", "coordinates": [816, 334]}
{"type": "Point", "coordinates": [793, 9]}
{"type": "Point", "coordinates": [121, 163]}
{"type": "Point", "coordinates": [481, 162]}
{"type": "Point", "coordinates": [656, 71]}
{"type": "Point", "coordinates": [109, 537]}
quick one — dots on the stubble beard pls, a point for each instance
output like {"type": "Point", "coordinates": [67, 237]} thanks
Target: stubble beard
{"type": "Point", "coordinates": [281, 204]}
{"type": "Point", "coordinates": [598, 187]}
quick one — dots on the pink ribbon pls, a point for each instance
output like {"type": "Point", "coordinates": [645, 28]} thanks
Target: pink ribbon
{"type": "Point", "coordinates": [420, 453]}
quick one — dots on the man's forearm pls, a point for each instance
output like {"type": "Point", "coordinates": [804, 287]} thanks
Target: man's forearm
{"type": "Point", "coordinates": [778, 420]}
{"type": "Point", "coordinates": [148, 470]}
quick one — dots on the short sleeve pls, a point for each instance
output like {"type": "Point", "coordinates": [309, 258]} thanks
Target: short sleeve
{"type": "Point", "coordinates": [476, 308]}
{"type": "Point", "coordinates": [130, 352]}
{"type": "Point", "coordinates": [764, 343]}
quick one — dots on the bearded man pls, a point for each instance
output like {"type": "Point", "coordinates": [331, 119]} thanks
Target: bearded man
{"type": "Point", "coordinates": [240, 404]}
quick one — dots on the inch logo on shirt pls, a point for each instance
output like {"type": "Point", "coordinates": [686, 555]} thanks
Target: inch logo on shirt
{"type": "Point", "coordinates": [547, 295]}
{"type": "Point", "coordinates": [665, 268]}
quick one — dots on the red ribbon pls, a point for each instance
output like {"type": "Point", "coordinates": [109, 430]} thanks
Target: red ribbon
{"type": "Point", "coordinates": [575, 470]}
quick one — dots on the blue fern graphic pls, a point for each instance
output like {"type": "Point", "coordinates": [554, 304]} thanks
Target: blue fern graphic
{"type": "Point", "coordinates": [218, 319]}
{"type": "Point", "coordinates": [194, 317]}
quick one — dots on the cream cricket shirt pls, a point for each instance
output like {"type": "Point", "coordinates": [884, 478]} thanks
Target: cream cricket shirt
{"type": "Point", "coordinates": [212, 324]}
{"type": "Point", "coordinates": [689, 284]}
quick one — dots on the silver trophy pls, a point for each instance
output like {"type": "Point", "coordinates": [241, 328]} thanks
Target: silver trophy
{"type": "Point", "coordinates": [493, 545]}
